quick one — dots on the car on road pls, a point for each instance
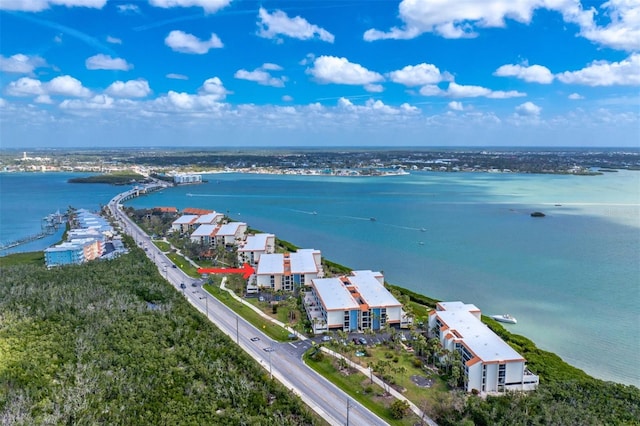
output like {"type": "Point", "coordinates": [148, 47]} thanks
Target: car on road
{"type": "Point", "coordinates": [326, 338]}
{"type": "Point", "coordinates": [182, 286]}
{"type": "Point", "coordinates": [194, 284]}
{"type": "Point", "coordinates": [254, 339]}
{"type": "Point", "coordinates": [292, 336]}
{"type": "Point", "coordinates": [173, 266]}
{"type": "Point", "coordinates": [362, 341]}
{"type": "Point", "coordinates": [268, 349]}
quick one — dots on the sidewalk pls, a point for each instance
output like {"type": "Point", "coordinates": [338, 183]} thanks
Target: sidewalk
{"type": "Point", "coordinates": [368, 373]}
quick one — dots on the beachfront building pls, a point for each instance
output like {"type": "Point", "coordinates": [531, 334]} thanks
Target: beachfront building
{"type": "Point", "coordinates": [231, 233]}
{"type": "Point", "coordinates": [250, 250]}
{"type": "Point", "coordinates": [210, 218]}
{"type": "Point", "coordinates": [73, 252]}
{"type": "Point", "coordinates": [184, 223]}
{"type": "Point", "coordinates": [287, 271]}
{"type": "Point", "coordinates": [205, 235]}
{"type": "Point", "coordinates": [351, 303]}
{"type": "Point", "coordinates": [86, 241]}
{"type": "Point", "coordinates": [186, 178]}
{"type": "Point", "coordinates": [489, 363]}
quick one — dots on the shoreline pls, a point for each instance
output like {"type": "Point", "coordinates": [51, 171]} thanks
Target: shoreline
{"type": "Point", "coordinates": [509, 337]}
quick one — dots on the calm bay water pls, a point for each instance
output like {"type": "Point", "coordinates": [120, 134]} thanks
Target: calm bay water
{"type": "Point", "coordinates": [572, 278]}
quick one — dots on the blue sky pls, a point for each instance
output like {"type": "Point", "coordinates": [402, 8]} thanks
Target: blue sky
{"type": "Point", "coordinates": [228, 73]}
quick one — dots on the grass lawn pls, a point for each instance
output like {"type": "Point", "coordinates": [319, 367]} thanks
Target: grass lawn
{"type": "Point", "coordinates": [183, 264]}
{"type": "Point", "coordinates": [163, 246]}
{"type": "Point", "coordinates": [30, 258]}
{"type": "Point", "coordinates": [358, 386]}
{"type": "Point", "coordinates": [270, 329]}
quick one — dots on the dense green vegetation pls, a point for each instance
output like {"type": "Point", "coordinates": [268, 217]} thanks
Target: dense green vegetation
{"type": "Point", "coordinates": [110, 342]}
{"type": "Point", "coordinates": [30, 258]}
{"type": "Point", "coordinates": [117, 178]}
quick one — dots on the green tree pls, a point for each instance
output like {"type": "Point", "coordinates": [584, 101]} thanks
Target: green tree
{"type": "Point", "coordinates": [399, 408]}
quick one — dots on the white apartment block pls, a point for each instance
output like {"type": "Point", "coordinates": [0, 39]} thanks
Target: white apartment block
{"type": "Point", "coordinates": [489, 364]}
{"type": "Point", "coordinates": [250, 250]}
{"type": "Point", "coordinates": [227, 234]}
{"type": "Point", "coordinates": [184, 178]}
{"type": "Point", "coordinates": [184, 223]}
{"type": "Point", "coordinates": [210, 218]}
{"type": "Point", "coordinates": [350, 303]}
{"type": "Point", "coordinates": [287, 271]}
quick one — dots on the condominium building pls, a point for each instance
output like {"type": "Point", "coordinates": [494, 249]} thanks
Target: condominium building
{"type": "Point", "coordinates": [350, 303]}
{"type": "Point", "coordinates": [286, 271]}
{"type": "Point", "coordinates": [184, 223]}
{"type": "Point", "coordinates": [250, 250]}
{"type": "Point", "coordinates": [489, 363]}
{"type": "Point", "coordinates": [185, 178]}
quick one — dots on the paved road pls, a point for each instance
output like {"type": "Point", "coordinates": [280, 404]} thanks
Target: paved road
{"type": "Point", "coordinates": [284, 362]}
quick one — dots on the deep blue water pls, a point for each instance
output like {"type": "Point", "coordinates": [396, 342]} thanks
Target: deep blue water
{"type": "Point", "coordinates": [572, 278]}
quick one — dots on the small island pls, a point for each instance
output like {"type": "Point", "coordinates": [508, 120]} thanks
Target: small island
{"type": "Point", "coordinates": [120, 178]}
{"type": "Point", "coordinates": [537, 214]}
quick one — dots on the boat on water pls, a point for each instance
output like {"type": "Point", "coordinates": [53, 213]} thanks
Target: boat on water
{"type": "Point", "coordinates": [372, 219]}
{"type": "Point", "coordinates": [423, 229]}
{"type": "Point", "coordinates": [505, 318]}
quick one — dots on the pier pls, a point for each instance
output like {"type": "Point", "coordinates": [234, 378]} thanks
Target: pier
{"type": "Point", "coordinates": [48, 226]}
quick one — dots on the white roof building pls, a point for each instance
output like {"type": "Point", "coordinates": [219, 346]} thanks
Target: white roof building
{"type": "Point", "coordinates": [349, 303]}
{"type": "Point", "coordinates": [489, 363]}
{"type": "Point", "coordinates": [285, 271]}
{"type": "Point", "coordinates": [184, 223]}
{"type": "Point", "coordinates": [255, 246]}
{"type": "Point", "coordinates": [210, 218]}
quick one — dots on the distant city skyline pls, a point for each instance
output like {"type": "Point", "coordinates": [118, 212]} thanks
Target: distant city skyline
{"type": "Point", "coordinates": [223, 73]}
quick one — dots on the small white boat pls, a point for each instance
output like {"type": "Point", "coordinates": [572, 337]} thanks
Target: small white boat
{"type": "Point", "coordinates": [505, 318]}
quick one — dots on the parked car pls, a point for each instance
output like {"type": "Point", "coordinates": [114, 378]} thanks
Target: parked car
{"type": "Point", "coordinates": [362, 341]}
{"type": "Point", "coordinates": [326, 338]}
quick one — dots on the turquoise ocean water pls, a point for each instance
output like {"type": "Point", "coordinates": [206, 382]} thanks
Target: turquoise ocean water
{"type": "Point", "coordinates": [572, 278]}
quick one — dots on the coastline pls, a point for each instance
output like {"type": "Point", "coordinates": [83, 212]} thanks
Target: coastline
{"type": "Point", "coordinates": [543, 360]}
{"type": "Point", "coordinates": [337, 241]}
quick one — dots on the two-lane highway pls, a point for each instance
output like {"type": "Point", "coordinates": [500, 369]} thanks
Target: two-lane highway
{"type": "Point", "coordinates": [283, 362]}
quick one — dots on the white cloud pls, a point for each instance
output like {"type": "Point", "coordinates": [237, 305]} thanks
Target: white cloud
{"type": "Point", "coordinates": [575, 96]}
{"type": "Point", "coordinates": [106, 62]}
{"type": "Point", "coordinates": [376, 107]}
{"type": "Point", "coordinates": [278, 23]}
{"type": "Point", "coordinates": [39, 5]}
{"type": "Point", "coordinates": [66, 85]}
{"type": "Point", "coordinates": [374, 88]}
{"type": "Point", "coordinates": [331, 69]}
{"type": "Point", "coordinates": [419, 75]}
{"type": "Point", "coordinates": [182, 42]}
{"type": "Point", "coordinates": [455, 90]}
{"type": "Point", "coordinates": [97, 102]}
{"type": "Point", "coordinates": [175, 76]}
{"type": "Point", "coordinates": [63, 85]}
{"type": "Point", "coordinates": [24, 86]}
{"type": "Point", "coordinates": [113, 40]}
{"type": "Point", "coordinates": [287, 98]}
{"type": "Point", "coordinates": [528, 109]}
{"type": "Point", "coordinates": [43, 99]}
{"type": "Point", "coordinates": [209, 6]}
{"type": "Point", "coordinates": [271, 67]}
{"type": "Point", "coordinates": [455, 106]}
{"type": "Point", "coordinates": [129, 89]}
{"type": "Point", "coordinates": [603, 73]}
{"type": "Point", "coordinates": [623, 30]}
{"type": "Point", "coordinates": [21, 64]}
{"type": "Point", "coordinates": [214, 87]}
{"type": "Point", "coordinates": [530, 74]}
{"type": "Point", "coordinates": [128, 8]}
{"type": "Point", "coordinates": [260, 76]}
{"type": "Point", "coordinates": [462, 19]}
